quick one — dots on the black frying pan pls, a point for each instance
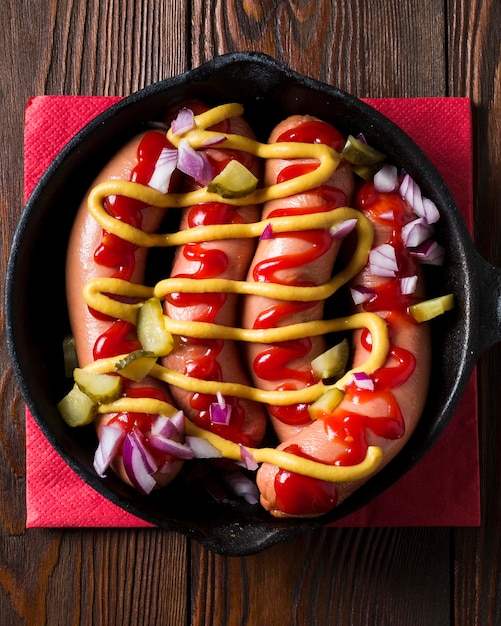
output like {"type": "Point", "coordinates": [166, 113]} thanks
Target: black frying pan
{"type": "Point", "coordinates": [36, 320]}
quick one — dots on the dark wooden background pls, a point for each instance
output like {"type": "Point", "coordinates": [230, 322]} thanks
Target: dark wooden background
{"type": "Point", "coordinates": [405, 577]}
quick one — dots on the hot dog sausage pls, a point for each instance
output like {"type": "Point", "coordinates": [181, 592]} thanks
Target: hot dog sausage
{"type": "Point", "coordinates": [300, 258]}
{"type": "Point", "coordinates": [381, 410]}
{"type": "Point", "coordinates": [205, 358]}
{"type": "Point", "coordinates": [93, 253]}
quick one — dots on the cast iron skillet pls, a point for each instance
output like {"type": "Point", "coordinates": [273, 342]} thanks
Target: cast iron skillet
{"type": "Point", "coordinates": [36, 320]}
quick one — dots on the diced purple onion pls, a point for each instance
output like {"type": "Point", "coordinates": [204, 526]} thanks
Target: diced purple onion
{"type": "Point", "coordinates": [202, 449]}
{"type": "Point", "coordinates": [247, 458]}
{"type": "Point", "coordinates": [343, 229]}
{"type": "Point", "coordinates": [137, 464]}
{"type": "Point", "coordinates": [242, 486]}
{"type": "Point", "coordinates": [408, 285]}
{"type": "Point", "coordinates": [383, 261]}
{"type": "Point", "coordinates": [429, 253]}
{"type": "Point", "coordinates": [361, 137]}
{"type": "Point", "coordinates": [386, 179]}
{"type": "Point", "coordinates": [110, 440]}
{"type": "Point", "coordinates": [422, 207]}
{"type": "Point", "coordinates": [168, 427]}
{"type": "Point", "coordinates": [361, 294]}
{"type": "Point", "coordinates": [178, 419]}
{"type": "Point", "coordinates": [194, 163]}
{"type": "Point", "coordinates": [169, 446]}
{"type": "Point", "coordinates": [164, 427]}
{"type": "Point", "coordinates": [363, 381]}
{"type": "Point", "coordinates": [267, 233]}
{"type": "Point", "coordinates": [415, 232]}
{"type": "Point", "coordinates": [184, 122]}
{"type": "Point", "coordinates": [219, 411]}
{"type": "Point", "coordinates": [164, 168]}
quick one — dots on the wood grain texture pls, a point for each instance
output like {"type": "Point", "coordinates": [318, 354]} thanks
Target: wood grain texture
{"type": "Point", "coordinates": [331, 41]}
{"type": "Point", "coordinates": [354, 577]}
{"type": "Point", "coordinates": [475, 71]}
{"type": "Point", "coordinates": [337, 576]}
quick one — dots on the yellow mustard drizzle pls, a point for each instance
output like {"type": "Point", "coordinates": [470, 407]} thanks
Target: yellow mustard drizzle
{"type": "Point", "coordinates": [96, 291]}
{"type": "Point", "coordinates": [371, 321]}
{"type": "Point", "coordinates": [292, 462]}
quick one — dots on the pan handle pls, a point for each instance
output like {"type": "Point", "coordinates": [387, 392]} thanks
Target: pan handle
{"type": "Point", "coordinates": [489, 287]}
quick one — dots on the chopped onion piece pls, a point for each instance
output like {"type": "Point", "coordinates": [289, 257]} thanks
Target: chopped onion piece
{"type": "Point", "coordinates": [242, 486]}
{"type": "Point", "coordinates": [383, 261]}
{"type": "Point", "coordinates": [164, 168]}
{"type": "Point", "coordinates": [110, 440]}
{"type": "Point", "coordinates": [137, 467]}
{"type": "Point", "coordinates": [178, 420]}
{"type": "Point", "coordinates": [168, 426]}
{"type": "Point", "coordinates": [361, 137]}
{"type": "Point", "coordinates": [408, 285]}
{"type": "Point", "coordinates": [429, 253]}
{"type": "Point", "coordinates": [422, 207]}
{"type": "Point", "coordinates": [169, 446]}
{"type": "Point", "coordinates": [363, 381]}
{"type": "Point", "coordinates": [139, 439]}
{"type": "Point", "coordinates": [343, 229]}
{"type": "Point", "coordinates": [267, 232]}
{"type": "Point", "coordinates": [164, 427]}
{"type": "Point", "coordinates": [184, 122]}
{"type": "Point", "coordinates": [247, 458]}
{"type": "Point", "coordinates": [430, 211]}
{"type": "Point", "coordinates": [386, 179]}
{"type": "Point", "coordinates": [415, 232]}
{"type": "Point", "coordinates": [219, 411]}
{"type": "Point", "coordinates": [194, 164]}
{"type": "Point", "coordinates": [202, 449]}
{"type": "Point", "coordinates": [361, 294]}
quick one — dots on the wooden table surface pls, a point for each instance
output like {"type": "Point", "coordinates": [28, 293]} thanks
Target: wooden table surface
{"type": "Point", "coordinates": [379, 48]}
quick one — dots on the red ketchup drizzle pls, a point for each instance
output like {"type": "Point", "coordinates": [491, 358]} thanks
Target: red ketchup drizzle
{"type": "Point", "coordinates": [118, 255]}
{"type": "Point", "coordinates": [274, 362]}
{"type": "Point", "coordinates": [349, 428]}
{"type": "Point", "coordinates": [210, 262]}
{"type": "Point", "coordinates": [302, 495]}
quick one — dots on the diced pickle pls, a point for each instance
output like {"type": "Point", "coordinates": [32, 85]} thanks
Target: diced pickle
{"type": "Point", "coordinates": [325, 404]}
{"type": "Point", "coordinates": [332, 362]}
{"type": "Point", "coordinates": [136, 365]}
{"type": "Point", "coordinates": [357, 152]}
{"type": "Point", "coordinates": [76, 408]}
{"type": "Point", "coordinates": [428, 309]}
{"type": "Point", "coordinates": [151, 331]}
{"type": "Point", "coordinates": [235, 181]}
{"type": "Point", "coordinates": [99, 387]}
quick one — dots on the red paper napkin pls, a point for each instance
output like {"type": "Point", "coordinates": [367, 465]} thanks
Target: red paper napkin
{"type": "Point", "coordinates": [442, 490]}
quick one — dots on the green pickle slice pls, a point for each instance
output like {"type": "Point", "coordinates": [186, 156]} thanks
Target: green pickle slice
{"type": "Point", "coordinates": [234, 181]}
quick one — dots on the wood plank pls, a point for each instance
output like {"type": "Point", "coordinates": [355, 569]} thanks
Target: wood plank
{"type": "Point", "coordinates": [367, 48]}
{"type": "Point", "coordinates": [78, 576]}
{"type": "Point", "coordinates": [474, 70]}
{"type": "Point", "coordinates": [336, 576]}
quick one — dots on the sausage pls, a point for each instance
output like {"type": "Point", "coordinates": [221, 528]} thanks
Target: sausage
{"type": "Point", "coordinates": [383, 416]}
{"type": "Point", "coordinates": [300, 258]}
{"type": "Point", "coordinates": [205, 358]}
{"type": "Point", "coordinates": [93, 253]}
